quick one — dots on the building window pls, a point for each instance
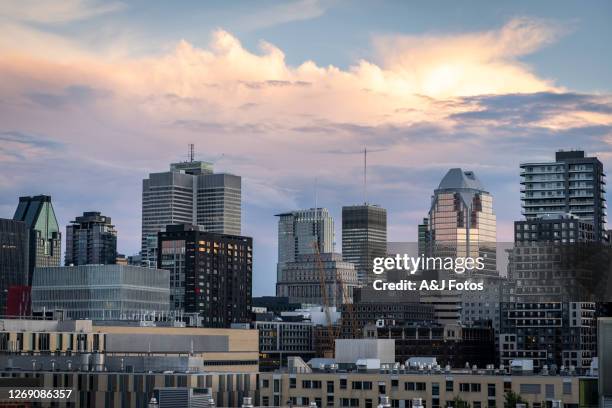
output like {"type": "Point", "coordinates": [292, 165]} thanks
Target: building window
{"type": "Point", "coordinates": [449, 385]}
{"type": "Point", "coordinates": [330, 387]}
{"type": "Point", "coordinates": [530, 389]}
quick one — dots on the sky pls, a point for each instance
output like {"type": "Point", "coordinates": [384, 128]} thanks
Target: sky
{"type": "Point", "coordinates": [95, 95]}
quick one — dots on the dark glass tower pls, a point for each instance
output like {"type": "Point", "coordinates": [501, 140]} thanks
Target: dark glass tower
{"type": "Point", "coordinates": [210, 274]}
{"type": "Point", "coordinates": [45, 244]}
{"type": "Point", "coordinates": [91, 240]}
{"type": "Point", "coordinates": [364, 237]}
{"type": "Point", "coordinates": [13, 257]}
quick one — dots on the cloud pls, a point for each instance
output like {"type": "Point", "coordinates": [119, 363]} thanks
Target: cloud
{"type": "Point", "coordinates": [52, 12]}
{"type": "Point", "coordinates": [428, 103]}
{"type": "Point", "coordinates": [75, 94]}
{"type": "Point", "coordinates": [285, 12]}
{"type": "Point", "coordinates": [470, 64]}
{"type": "Point", "coordinates": [16, 146]}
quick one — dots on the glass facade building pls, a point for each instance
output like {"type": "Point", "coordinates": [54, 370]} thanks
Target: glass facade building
{"type": "Point", "coordinates": [45, 238]}
{"type": "Point", "coordinates": [101, 292]}
{"type": "Point", "coordinates": [462, 222]}
{"type": "Point", "coordinates": [91, 239]}
{"type": "Point", "coordinates": [364, 237]}
{"type": "Point", "coordinates": [14, 244]}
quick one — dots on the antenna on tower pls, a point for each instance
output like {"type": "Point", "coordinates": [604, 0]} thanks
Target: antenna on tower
{"type": "Point", "coordinates": [365, 177]}
{"type": "Point", "coordinates": [190, 152]}
{"type": "Point", "coordinates": [315, 193]}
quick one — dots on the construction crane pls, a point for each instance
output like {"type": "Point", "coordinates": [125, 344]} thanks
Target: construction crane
{"type": "Point", "coordinates": [329, 336]}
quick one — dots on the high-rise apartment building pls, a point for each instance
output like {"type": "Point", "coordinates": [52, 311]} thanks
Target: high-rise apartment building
{"type": "Point", "coordinates": [462, 222]}
{"type": "Point", "coordinates": [189, 193]}
{"type": "Point", "coordinates": [304, 232]}
{"type": "Point", "coordinates": [45, 238]}
{"type": "Point", "coordinates": [210, 274]}
{"type": "Point", "coordinates": [573, 184]}
{"type": "Point", "coordinates": [549, 333]}
{"type": "Point", "coordinates": [364, 237]}
{"type": "Point", "coordinates": [14, 245]}
{"type": "Point", "coordinates": [91, 239]}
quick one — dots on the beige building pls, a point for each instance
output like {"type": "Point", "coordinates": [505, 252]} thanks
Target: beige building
{"type": "Point", "coordinates": [85, 346]}
{"type": "Point", "coordinates": [362, 389]}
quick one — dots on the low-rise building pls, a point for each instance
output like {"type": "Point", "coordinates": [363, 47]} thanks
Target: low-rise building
{"type": "Point", "coordinates": [479, 389]}
{"type": "Point", "coordinates": [87, 345]}
{"type": "Point", "coordinates": [122, 364]}
{"type": "Point", "coordinates": [101, 291]}
{"type": "Point", "coordinates": [451, 344]}
{"type": "Point", "coordinates": [280, 339]}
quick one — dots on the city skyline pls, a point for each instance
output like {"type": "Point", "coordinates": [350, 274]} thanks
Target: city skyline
{"type": "Point", "coordinates": [85, 123]}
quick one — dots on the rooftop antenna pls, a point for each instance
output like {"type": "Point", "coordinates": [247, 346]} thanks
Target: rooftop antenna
{"type": "Point", "coordinates": [191, 148]}
{"type": "Point", "coordinates": [365, 177]}
{"type": "Point", "coordinates": [315, 193]}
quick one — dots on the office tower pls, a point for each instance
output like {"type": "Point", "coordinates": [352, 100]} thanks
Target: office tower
{"type": "Point", "coordinates": [423, 239]}
{"type": "Point", "coordinates": [364, 237]}
{"type": "Point", "coordinates": [572, 184]}
{"type": "Point", "coordinates": [304, 232]}
{"type": "Point", "coordinates": [14, 245]}
{"type": "Point", "coordinates": [190, 193]}
{"type": "Point", "coordinates": [462, 222]}
{"type": "Point", "coordinates": [45, 238]}
{"type": "Point", "coordinates": [210, 274]}
{"type": "Point", "coordinates": [300, 280]}
{"type": "Point", "coordinates": [91, 239]}
{"type": "Point", "coordinates": [219, 203]}
{"type": "Point", "coordinates": [101, 292]}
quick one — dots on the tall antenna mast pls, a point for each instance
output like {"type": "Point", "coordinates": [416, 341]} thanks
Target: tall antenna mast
{"type": "Point", "coordinates": [191, 155]}
{"type": "Point", "coordinates": [365, 177]}
{"type": "Point", "coordinates": [318, 236]}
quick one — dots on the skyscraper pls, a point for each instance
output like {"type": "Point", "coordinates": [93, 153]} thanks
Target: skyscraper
{"type": "Point", "coordinates": [189, 193]}
{"type": "Point", "coordinates": [462, 222]}
{"type": "Point", "coordinates": [302, 232]}
{"type": "Point", "coordinates": [364, 237]}
{"type": "Point", "coordinates": [45, 238]}
{"type": "Point", "coordinates": [572, 184]}
{"type": "Point", "coordinates": [210, 274]}
{"type": "Point", "coordinates": [300, 280]}
{"type": "Point", "coordinates": [14, 245]}
{"type": "Point", "coordinates": [91, 239]}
